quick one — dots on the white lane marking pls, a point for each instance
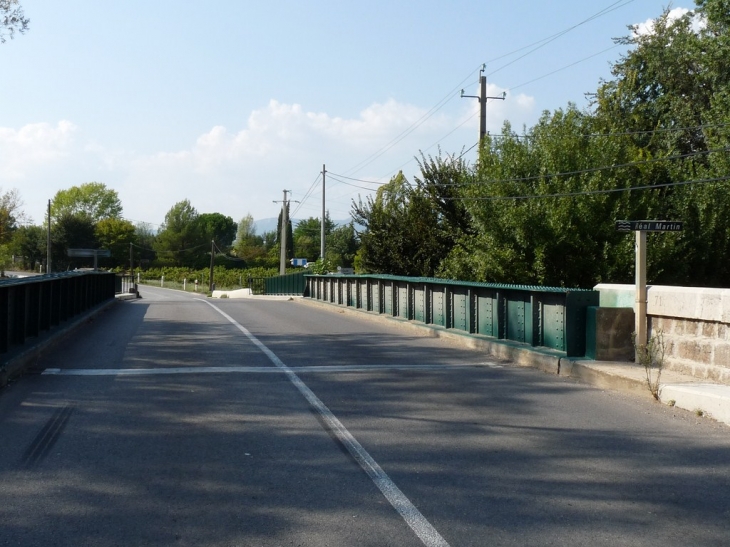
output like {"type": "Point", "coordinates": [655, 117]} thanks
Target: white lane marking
{"type": "Point", "coordinates": [239, 370]}
{"type": "Point", "coordinates": [413, 517]}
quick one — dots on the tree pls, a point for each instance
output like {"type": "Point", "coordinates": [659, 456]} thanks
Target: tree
{"type": "Point", "coordinates": [342, 246]}
{"type": "Point", "coordinates": [251, 247]}
{"type": "Point", "coordinates": [10, 214]}
{"type": "Point", "coordinates": [180, 240]}
{"type": "Point", "coordinates": [116, 235]}
{"type": "Point", "coordinates": [92, 199]}
{"type": "Point", "coordinates": [12, 19]}
{"type": "Point", "coordinates": [402, 232]}
{"type": "Point", "coordinates": [144, 243]}
{"type": "Point", "coordinates": [218, 227]}
{"type": "Point", "coordinates": [28, 244]}
{"type": "Point", "coordinates": [307, 237]}
{"type": "Point", "coordinates": [72, 232]}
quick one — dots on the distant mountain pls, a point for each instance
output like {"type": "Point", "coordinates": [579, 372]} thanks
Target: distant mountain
{"type": "Point", "coordinates": [269, 224]}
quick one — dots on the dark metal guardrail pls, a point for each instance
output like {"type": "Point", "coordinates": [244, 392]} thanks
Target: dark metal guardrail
{"type": "Point", "coordinates": [292, 284]}
{"type": "Point", "coordinates": [257, 285]}
{"type": "Point", "coordinates": [31, 305]}
{"type": "Point", "coordinates": [550, 317]}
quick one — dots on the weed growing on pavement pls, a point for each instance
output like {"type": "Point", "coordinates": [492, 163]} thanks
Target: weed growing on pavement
{"type": "Point", "coordinates": [651, 357]}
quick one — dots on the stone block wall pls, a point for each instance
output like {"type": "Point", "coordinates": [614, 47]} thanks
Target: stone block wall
{"type": "Point", "coordinates": [695, 347]}
{"type": "Point", "coordinates": [694, 322]}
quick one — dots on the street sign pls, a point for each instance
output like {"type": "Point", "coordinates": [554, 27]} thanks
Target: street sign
{"type": "Point", "coordinates": [649, 225]}
{"type": "Point", "coordinates": [88, 252]}
{"type": "Point", "coordinates": [298, 261]}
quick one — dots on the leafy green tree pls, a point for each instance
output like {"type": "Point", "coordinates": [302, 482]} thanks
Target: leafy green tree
{"type": "Point", "coordinates": [180, 241]}
{"type": "Point", "coordinates": [307, 236]}
{"type": "Point", "coordinates": [10, 214]}
{"type": "Point", "coordinates": [342, 245]}
{"type": "Point", "coordinates": [12, 19]}
{"type": "Point", "coordinates": [219, 228]}
{"type": "Point", "coordinates": [72, 231]}
{"type": "Point", "coordinates": [116, 235]}
{"type": "Point", "coordinates": [92, 199]}
{"type": "Point", "coordinates": [28, 245]}
{"type": "Point", "coordinates": [402, 231]}
{"type": "Point", "coordinates": [144, 243]}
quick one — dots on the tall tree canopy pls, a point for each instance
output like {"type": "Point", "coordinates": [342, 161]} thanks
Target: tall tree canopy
{"type": "Point", "coordinates": [92, 199]}
{"type": "Point", "coordinates": [180, 235]}
{"type": "Point", "coordinates": [217, 227]}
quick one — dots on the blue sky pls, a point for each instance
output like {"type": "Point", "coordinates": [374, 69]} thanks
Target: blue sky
{"type": "Point", "coordinates": [226, 103]}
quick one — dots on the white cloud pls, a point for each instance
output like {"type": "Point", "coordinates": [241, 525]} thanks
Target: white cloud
{"type": "Point", "coordinates": [647, 27]}
{"type": "Point", "coordinates": [236, 172]}
{"type": "Point", "coordinates": [33, 145]}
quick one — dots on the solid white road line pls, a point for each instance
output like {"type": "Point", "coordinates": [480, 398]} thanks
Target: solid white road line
{"type": "Point", "coordinates": [413, 517]}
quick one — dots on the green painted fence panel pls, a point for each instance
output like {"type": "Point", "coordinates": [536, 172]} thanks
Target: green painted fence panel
{"type": "Point", "coordinates": [460, 307]}
{"type": "Point", "coordinates": [438, 299]}
{"type": "Point", "coordinates": [537, 316]}
{"type": "Point", "coordinates": [388, 298]}
{"type": "Point", "coordinates": [403, 307]}
{"type": "Point", "coordinates": [419, 304]}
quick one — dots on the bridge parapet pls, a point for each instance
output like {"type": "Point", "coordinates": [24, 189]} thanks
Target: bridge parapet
{"type": "Point", "coordinates": [31, 305]}
{"type": "Point", "coordinates": [551, 317]}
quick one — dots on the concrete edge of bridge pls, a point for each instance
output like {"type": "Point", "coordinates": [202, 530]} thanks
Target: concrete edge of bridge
{"type": "Point", "coordinates": [23, 359]}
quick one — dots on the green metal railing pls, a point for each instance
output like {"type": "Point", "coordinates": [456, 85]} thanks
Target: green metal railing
{"type": "Point", "coordinates": [548, 317]}
{"type": "Point", "coordinates": [31, 305]}
{"type": "Point", "coordinates": [293, 284]}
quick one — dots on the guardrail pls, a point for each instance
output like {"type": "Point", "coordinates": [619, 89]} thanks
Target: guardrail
{"type": "Point", "coordinates": [550, 317]}
{"type": "Point", "coordinates": [293, 284]}
{"type": "Point", "coordinates": [31, 305]}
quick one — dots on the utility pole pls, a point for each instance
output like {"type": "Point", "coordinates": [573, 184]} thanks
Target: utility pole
{"type": "Point", "coordinates": [282, 236]}
{"type": "Point", "coordinates": [321, 244]}
{"type": "Point", "coordinates": [212, 262]}
{"type": "Point", "coordinates": [131, 259]}
{"type": "Point", "coordinates": [483, 102]}
{"type": "Point", "coordinates": [48, 241]}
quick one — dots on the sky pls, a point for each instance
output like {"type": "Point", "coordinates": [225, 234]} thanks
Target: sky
{"type": "Point", "coordinates": [227, 103]}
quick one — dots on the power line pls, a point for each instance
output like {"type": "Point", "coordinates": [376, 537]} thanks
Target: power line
{"type": "Point", "coordinates": [349, 183]}
{"type": "Point", "coordinates": [307, 195]}
{"type": "Point", "coordinates": [357, 180]}
{"type": "Point", "coordinates": [411, 128]}
{"type": "Point", "coordinates": [591, 192]}
{"type": "Point", "coordinates": [592, 169]}
{"type": "Point", "coordinates": [542, 43]}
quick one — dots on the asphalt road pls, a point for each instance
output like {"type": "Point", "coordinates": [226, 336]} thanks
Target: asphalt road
{"type": "Point", "coordinates": [176, 420]}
